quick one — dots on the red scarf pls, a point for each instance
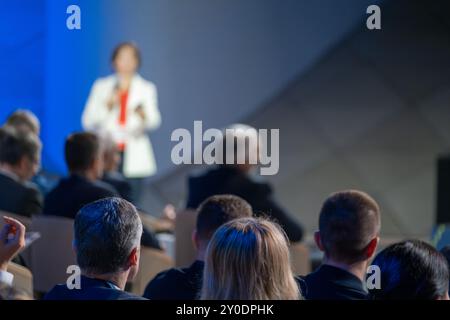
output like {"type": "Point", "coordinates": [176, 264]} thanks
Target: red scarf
{"type": "Point", "coordinates": [123, 96]}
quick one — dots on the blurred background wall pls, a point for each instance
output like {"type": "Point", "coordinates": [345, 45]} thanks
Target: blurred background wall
{"type": "Point", "coordinates": [214, 61]}
{"type": "Point", "coordinates": [22, 56]}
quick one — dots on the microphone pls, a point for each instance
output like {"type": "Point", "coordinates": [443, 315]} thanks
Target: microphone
{"type": "Point", "coordinates": [113, 97]}
{"type": "Point", "coordinates": [116, 88]}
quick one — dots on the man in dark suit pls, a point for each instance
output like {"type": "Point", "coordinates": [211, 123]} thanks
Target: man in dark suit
{"type": "Point", "coordinates": [107, 235]}
{"type": "Point", "coordinates": [85, 163]}
{"type": "Point", "coordinates": [236, 179]}
{"type": "Point", "coordinates": [349, 225]}
{"type": "Point", "coordinates": [26, 121]}
{"type": "Point", "coordinates": [186, 283]}
{"type": "Point", "coordinates": [84, 158]}
{"type": "Point", "coordinates": [19, 162]}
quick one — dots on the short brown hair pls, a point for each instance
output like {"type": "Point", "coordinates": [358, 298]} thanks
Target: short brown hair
{"type": "Point", "coordinates": [348, 221]}
{"type": "Point", "coordinates": [218, 210]}
{"type": "Point", "coordinates": [120, 46]}
{"type": "Point", "coordinates": [81, 149]}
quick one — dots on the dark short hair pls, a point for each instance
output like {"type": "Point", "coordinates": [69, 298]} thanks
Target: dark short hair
{"type": "Point", "coordinates": [347, 222]}
{"type": "Point", "coordinates": [218, 210]}
{"type": "Point", "coordinates": [24, 120]}
{"type": "Point", "coordinates": [106, 231]}
{"type": "Point", "coordinates": [81, 149]}
{"type": "Point", "coordinates": [411, 269]}
{"type": "Point", "coordinates": [14, 145]}
{"type": "Point", "coordinates": [132, 45]}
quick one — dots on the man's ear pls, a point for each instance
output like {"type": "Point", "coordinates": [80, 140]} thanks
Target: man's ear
{"type": "Point", "coordinates": [23, 161]}
{"type": "Point", "coordinates": [98, 164]}
{"type": "Point", "coordinates": [133, 258]}
{"type": "Point", "coordinates": [318, 240]}
{"type": "Point", "coordinates": [22, 165]}
{"type": "Point", "coordinates": [372, 247]}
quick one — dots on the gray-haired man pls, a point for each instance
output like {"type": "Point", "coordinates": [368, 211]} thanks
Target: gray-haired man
{"type": "Point", "coordinates": [107, 243]}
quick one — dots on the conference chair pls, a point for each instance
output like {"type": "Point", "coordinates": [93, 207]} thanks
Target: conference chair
{"type": "Point", "coordinates": [151, 263]}
{"type": "Point", "coordinates": [52, 254]}
{"type": "Point", "coordinates": [155, 224]}
{"type": "Point", "coordinates": [23, 279]}
{"type": "Point", "coordinates": [184, 248]}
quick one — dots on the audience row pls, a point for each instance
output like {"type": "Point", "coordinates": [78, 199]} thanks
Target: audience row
{"type": "Point", "coordinates": [243, 257]}
{"type": "Point", "coordinates": [242, 235]}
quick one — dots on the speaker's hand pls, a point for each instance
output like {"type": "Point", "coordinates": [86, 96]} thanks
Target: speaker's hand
{"type": "Point", "coordinates": [140, 111]}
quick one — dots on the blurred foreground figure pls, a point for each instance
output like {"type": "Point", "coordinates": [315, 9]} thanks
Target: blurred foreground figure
{"type": "Point", "coordinates": [12, 240]}
{"type": "Point", "coordinates": [411, 269]}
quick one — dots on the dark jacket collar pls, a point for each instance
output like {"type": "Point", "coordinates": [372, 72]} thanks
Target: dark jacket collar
{"type": "Point", "coordinates": [332, 283]}
{"type": "Point", "coordinates": [77, 177]}
{"type": "Point", "coordinates": [87, 282]}
{"type": "Point", "coordinates": [341, 277]}
{"type": "Point", "coordinates": [197, 265]}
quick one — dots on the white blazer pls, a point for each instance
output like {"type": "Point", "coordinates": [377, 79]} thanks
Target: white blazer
{"type": "Point", "coordinates": [139, 160]}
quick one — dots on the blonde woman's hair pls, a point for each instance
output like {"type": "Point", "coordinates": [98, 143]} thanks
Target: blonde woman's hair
{"type": "Point", "coordinates": [248, 259]}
